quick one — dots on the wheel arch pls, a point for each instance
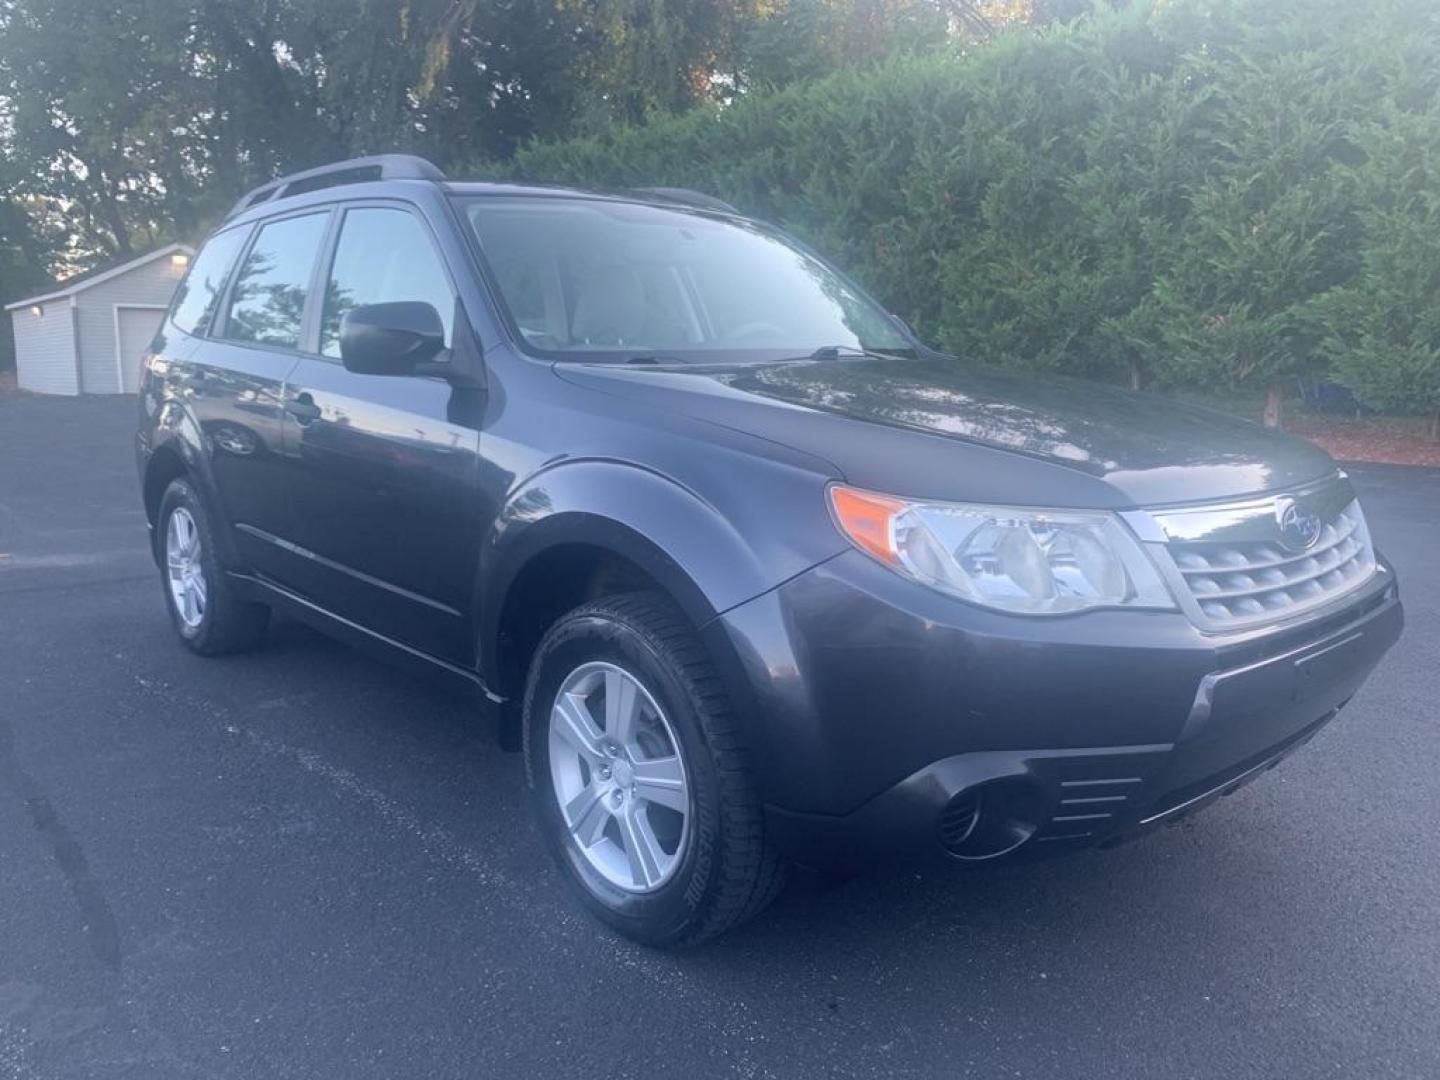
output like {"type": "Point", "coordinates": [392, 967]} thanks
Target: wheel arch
{"type": "Point", "coordinates": [569, 559]}
{"type": "Point", "coordinates": [585, 529]}
{"type": "Point", "coordinates": [164, 466]}
{"type": "Point", "coordinates": [176, 455]}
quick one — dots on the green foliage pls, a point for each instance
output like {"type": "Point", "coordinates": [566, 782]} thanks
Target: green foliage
{"type": "Point", "coordinates": [809, 39]}
{"type": "Point", "coordinates": [1383, 327]}
{"type": "Point", "coordinates": [1207, 192]}
{"type": "Point", "coordinates": [1219, 194]}
{"type": "Point", "coordinates": [127, 124]}
{"type": "Point", "coordinates": [27, 249]}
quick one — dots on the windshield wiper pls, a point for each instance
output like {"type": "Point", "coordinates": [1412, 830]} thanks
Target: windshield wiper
{"type": "Point", "coordinates": [840, 352]}
{"type": "Point", "coordinates": [825, 352]}
{"type": "Point", "coordinates": [835, 352]}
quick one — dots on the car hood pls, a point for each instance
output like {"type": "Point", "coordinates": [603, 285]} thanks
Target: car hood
{"type": "Point", "coordinates": [935, 428]}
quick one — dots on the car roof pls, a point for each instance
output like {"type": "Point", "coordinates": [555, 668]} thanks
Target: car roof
{"type": "Point", "coordinates": [501, 187]}
{"type": "Point", "coordinates": [378, 175]}
{"type": "Point", "coordinates": [670, 197]}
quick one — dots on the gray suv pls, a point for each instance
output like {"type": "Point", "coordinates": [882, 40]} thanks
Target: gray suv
{"type": "Point", "coordinates": [752, 575]}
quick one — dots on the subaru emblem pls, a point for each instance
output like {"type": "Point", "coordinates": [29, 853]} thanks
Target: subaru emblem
{"type": "Point", "coordinates": [1300, 526]}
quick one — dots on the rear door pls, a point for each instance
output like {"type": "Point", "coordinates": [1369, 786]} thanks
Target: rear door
{"type": "Point", "coordinates": [384, 468]}
{"type": "Point", "coordinates": [236, 383]}
{"type": "Point", "coordinates": [225, 395]}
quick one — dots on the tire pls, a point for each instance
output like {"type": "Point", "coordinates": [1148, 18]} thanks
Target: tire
{"type": "Point", "coordinates": [212, 618]}
{"type": "Point", "coordinates": [721, 870]}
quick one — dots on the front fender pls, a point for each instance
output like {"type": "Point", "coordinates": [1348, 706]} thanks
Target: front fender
{"type": "Point", "coordinates": [710, 553]}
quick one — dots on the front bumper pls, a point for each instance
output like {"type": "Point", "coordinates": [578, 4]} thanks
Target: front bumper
{"type": "Point", "coordinates": [889, 720]}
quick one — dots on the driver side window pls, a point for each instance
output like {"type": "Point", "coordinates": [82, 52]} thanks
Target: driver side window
{"type": "Point", "coordinates": [384, 254]}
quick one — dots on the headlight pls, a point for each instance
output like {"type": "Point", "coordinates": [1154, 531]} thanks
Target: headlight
{"type": "Point", "coordinates": [1016, 559]}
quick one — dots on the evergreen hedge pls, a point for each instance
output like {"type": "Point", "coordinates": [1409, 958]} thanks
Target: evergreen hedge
{"type": "Point", "coordinates": [1223, 193]}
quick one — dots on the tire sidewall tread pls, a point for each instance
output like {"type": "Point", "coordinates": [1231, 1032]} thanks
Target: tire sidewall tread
{"type": "Point", "coordinates": [729, 871]}
{"type": "Point", "coordinates": [231, 623]}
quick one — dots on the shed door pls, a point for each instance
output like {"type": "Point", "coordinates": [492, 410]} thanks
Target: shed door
{"type": "Point", "coordinates": [136, 327]}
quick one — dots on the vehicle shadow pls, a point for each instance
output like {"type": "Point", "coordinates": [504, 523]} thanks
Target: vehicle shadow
{"type": "Point", "coordinates": [1185, 937]}
{"type": "Point", "coordinates": [1152, 901]}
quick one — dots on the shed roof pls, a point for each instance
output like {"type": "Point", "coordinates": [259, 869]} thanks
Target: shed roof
{"type": "Point", "coordinates": [80, 282]}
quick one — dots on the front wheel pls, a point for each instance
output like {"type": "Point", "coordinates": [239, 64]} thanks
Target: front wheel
{"type": "Point", "coordinates": [640, 783]}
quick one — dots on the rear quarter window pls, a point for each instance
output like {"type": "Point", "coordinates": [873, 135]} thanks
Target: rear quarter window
{"type": "Point", "coordinates": [199, 293]}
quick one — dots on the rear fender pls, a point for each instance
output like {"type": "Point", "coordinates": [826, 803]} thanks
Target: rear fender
{"type": "Point", "coordinates": [176, 431]}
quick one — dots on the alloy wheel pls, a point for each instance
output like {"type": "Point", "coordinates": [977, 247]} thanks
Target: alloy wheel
{"type": "Point", "coordinates": [619, 777]}
{"type": "Point", "coordinates": [184, 572]}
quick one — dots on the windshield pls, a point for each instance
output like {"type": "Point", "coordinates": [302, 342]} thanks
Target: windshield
{"type": "Point", "coordinates": [596, 280]}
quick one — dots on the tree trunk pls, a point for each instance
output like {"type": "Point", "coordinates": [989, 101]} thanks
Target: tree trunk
{"type": "Point", "coordinates": [968, 14]}
{"type": "Point", "coordinates": [105, 195]}
{"type": "Point", "coordinates": [1435, 426]}
{"type": "Point", "coordinates": [1137, 374]}
{"type": "Point", "coordinates": [1272, 404]}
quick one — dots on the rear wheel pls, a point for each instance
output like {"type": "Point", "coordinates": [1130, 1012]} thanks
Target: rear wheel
{"type": "Point", "coordinates": [641, 786]}
{"type": "Point", "coordinates": [209, 613]}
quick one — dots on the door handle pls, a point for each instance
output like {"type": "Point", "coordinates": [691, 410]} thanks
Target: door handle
{"type": "Point", "coordinates": [303, 408]}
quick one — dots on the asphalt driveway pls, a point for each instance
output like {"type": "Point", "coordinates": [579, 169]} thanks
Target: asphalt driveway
{"type": "Point", "coordinates": [298, 863]}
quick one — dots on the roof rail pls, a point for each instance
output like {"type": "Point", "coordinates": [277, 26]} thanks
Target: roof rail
{"type": "Point", "coordinates": [353, 171]}
{"type": "Point", "coordinates": [686, 196]}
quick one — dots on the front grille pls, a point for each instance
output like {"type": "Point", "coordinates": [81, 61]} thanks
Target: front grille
{"type": "Point", "coordinates": [1239, 582]}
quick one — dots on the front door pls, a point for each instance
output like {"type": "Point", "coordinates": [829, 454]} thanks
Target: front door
{"type": "Point", "coordinates": [384, 468]}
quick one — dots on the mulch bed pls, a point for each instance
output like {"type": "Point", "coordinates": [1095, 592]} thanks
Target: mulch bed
{"type": "Point", "coordinates": [1366, 440]}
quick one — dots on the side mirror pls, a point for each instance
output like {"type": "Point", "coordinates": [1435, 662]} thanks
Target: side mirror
{"type": "Point", "coordinates": [390, 339]}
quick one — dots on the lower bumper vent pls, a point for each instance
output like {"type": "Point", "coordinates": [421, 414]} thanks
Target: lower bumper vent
{"type": "Point", "coordinates": [958, 821]}
{"type": "Point", "coordinates": [991, 819]}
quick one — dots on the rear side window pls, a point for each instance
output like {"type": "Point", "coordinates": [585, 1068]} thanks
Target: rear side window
{"type": "Point", "coordinates": [199, 294]}
{"type": "Point", "coordinates": [383, 255]}
{"type": "Point", "coordinates": [267, 303]}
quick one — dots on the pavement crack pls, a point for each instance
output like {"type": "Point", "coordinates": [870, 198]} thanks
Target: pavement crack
{"type": "Point", "coordinates": [434, 840]}
{"type": "Point", "coordinates": [101, 929]}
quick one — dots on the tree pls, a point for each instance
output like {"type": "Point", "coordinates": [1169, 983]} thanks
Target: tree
{"type": "Point", "coordinates": [1268, 223]}
{"type": "Point", "coordinates": [178, 106]}
{"type": "Point", "coordinates": [1383, 335]}
{"type": "Point", "coordinates": [547, 68]}
{"type": "Point", "coordinates": [28, 247]}
{"type": "Point", "coordinates": [1127, 198]}
{"type": "Point", "coordinates": [96, 147]}
{"type": "Point", "coordinates": [808, 39]}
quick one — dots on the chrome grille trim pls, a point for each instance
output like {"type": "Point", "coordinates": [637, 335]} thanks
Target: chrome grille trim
{"type": "Point", "coordinates": [1325, 544]}
{"type": "Point", "coordinates": [1230, 569]}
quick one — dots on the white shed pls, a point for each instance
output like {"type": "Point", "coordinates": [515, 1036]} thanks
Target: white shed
{"type": "Point", "coordinates": [86, 334]}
